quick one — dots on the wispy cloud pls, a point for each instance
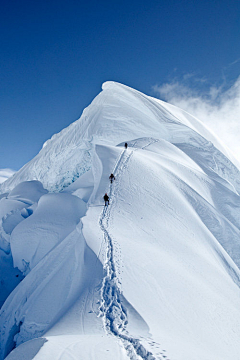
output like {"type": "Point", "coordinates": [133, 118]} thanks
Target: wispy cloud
{"type": "Point", "coordinates": [5, 174]}
{"type": "Point", "coordinates": [217, 106]}
{"type": "Point", "coordinates": [234, 62]}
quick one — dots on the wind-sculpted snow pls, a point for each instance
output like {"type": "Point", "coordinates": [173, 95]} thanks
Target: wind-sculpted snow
{"type": "Point", "coordinates": [14, 208]}
{"type": "Point", "coordinates": [116, 115]}
{"type": "Point", "coordinates": [48, 291]}
{"type": "Point", "coordinates": [55, 217]}
{"type": "Point", "coordinates": [152, 276]}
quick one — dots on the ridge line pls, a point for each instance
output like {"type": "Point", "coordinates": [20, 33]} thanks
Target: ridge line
{"type": "Point", "coordinates": [111, 309]}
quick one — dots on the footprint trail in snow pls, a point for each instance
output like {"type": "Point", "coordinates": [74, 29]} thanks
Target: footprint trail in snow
{"type": "Point", "coordinates": [112, 310]}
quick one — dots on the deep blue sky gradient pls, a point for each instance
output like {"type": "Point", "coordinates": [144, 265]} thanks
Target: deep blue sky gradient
{"type": "Point", "coordinates": [54, 56]}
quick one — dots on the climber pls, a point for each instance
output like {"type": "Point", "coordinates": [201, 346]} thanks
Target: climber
{"type": "Point", "coordinates": [126, 145]}
{"type": "Point", "coordinates": [111, 178]}
{"type": "Point", "coordinates": [106, 199]}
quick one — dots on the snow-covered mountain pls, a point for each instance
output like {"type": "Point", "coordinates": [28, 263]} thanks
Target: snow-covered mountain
{"type": "Point", "coordinates": [154, 275]}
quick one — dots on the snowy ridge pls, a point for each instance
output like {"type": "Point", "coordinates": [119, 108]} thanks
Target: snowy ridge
{"type": "Point", "coordinates": [116, 115]}
{"type": "Point", "coordinates": [155, 275]}
{"type": "Point", "coordinates": [112, 310]}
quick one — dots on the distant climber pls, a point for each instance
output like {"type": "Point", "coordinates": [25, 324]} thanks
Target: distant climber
{"type": "Point", "coordinates": [111, 178]}
{"type": "Point", "coordinates": [106, 199]}
{"type": "Point", "coordinates": [126, 145]}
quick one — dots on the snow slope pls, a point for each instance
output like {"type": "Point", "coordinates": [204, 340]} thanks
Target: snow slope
{"type": "Point", "coordinates": [155, 275]}
{"type": "Point", "coordinates": [14, 208]}
{"type": "Point", "coordinates": [116, 115]}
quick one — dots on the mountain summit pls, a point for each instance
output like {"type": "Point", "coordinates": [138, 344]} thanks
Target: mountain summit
{"type": "Point", "coordinates": [153, 275]}
{"type": "Point", "coordinates": [116, 115]}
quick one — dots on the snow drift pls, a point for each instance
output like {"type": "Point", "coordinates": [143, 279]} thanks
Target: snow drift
{"type": "Point", "coordinates": [155, 275]}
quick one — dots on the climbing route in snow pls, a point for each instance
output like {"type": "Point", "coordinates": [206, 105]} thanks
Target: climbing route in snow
{"type": "Point", "coordinates": [153, 275]}
{"type": "Point", "coordinates": [112, 310]}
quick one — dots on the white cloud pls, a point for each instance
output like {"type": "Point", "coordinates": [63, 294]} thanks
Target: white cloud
{"type": "Point", "coordinates": [217, 107]}
{"type": "Point", "coordinates": [5, 174]}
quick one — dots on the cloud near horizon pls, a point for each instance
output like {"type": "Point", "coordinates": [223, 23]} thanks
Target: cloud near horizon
{"type": "Point", "coordinates": [5, 174]}
{"type": "Point", "coordinates": [217, 107]}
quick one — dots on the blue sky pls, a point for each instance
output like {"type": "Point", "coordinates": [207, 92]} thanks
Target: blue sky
{"type": "Point", "coordinates": [55, 55]}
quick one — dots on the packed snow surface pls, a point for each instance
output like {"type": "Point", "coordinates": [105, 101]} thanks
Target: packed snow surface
{"type": "Point", "coordinates": [154, 275]}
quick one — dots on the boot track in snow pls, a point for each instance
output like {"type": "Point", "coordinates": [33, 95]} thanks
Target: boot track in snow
{"type": "Point", "coordinates": [111, 309]}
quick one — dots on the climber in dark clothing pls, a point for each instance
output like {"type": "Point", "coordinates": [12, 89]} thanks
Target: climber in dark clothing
{"type": "Point", "coordinates": [106, 199]}
{"type": "Point", "coordinates": [111, 178]}
{"type": "Point", "coordinates": [126, 145]}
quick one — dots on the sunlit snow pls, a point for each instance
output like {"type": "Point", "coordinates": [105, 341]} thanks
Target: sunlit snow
{"type": "Point", "coordinates": [154, 275]}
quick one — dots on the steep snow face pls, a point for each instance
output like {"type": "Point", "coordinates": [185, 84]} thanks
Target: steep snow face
{"type": "Point", "coordinates": [14, 208]}
{"type": "Point", "coordinates": [116, 115]}
{"type": "Point", "coordinates": [153, 275]}
{"type": "Point", "coordinates": [185, 272]}
{"type": "Point", "coordinates": [55, 217]}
